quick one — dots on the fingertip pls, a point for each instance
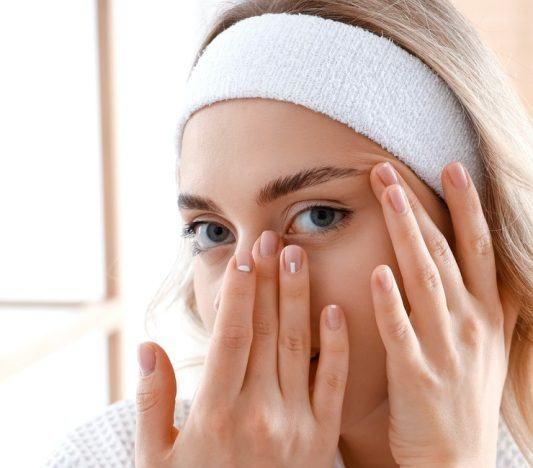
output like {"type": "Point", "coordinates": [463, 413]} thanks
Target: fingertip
{"type": "Point", "coordinates": [334, 329]}
{"type": "Point", "coordinates": [244, 261]}
{"type": "Point", "coordinates": [146, 358]}
{"type": "Point", "coordinates": [155, 401]}
{"type": "Point", "coordinates": [383, 278]}
{"type": "Point", "coordinates": [334, 317]}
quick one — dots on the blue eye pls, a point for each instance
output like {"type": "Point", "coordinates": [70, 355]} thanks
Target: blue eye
{"type": "Point", "coordinates": [325, 218]}
{"type": "Point", "coordinates": [207, 233]}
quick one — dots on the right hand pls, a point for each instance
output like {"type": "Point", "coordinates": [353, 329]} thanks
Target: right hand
{"type": "Point", "coordinates": [253, 406]}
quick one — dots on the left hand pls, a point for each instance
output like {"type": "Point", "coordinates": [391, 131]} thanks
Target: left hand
{"type": "Point", "coordinates": [447, 360]}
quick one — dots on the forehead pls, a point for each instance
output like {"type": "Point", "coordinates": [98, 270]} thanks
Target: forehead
{"type": "Point", "coordinates": [257, 139]}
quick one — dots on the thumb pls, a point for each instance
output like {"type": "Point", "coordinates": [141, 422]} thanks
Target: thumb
{"type": "Point", "coordinates": [155, 402]}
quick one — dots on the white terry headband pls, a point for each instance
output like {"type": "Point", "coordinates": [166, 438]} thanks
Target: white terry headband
{"type": "Point", "coordinates": [349, 74]}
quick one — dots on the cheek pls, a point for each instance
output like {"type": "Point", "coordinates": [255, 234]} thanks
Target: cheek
{"type": "Point", "coordinates": [341, 273]}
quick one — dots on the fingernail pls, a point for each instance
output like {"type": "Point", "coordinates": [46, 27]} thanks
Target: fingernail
{"type": "Point", "coordinates": [386, 174]}
{"type": "Point", "coordinates": [333, 317]}
{"type": "Point", "coordinates": [244, 260]}
{"type": "Point", "coordinates": [293, 258]}
{"type": "Point", "coordinates": [146, 358]}
{"type": "Point", "coordinates": [268, 243]}
{"type": "Point", "coordinates": [385, 279]}
{"type": "Point", "coordinates": [458, 176]}
{"type": "Point", "coordinates": [397, 198]}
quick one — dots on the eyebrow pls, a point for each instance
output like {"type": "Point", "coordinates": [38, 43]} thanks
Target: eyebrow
{"type": "Point", "coordinates": [277, 187]}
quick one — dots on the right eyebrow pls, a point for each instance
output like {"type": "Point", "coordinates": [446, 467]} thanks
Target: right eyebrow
{"type": "Point", "coordinates": [278, 187]}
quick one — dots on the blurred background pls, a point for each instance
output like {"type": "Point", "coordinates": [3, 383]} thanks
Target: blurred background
{"type": "Point", "coordinates": [89, 94]}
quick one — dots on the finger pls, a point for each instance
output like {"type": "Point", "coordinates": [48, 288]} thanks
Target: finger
{"type": "Point", "coordinates": [155, 404]}
{"type": "Point", "coordinates": [423, 285]}
{"type": "Point", "coordinates": [385, 174]}
{"type": "Point", "coordinates": [473, 240]}
{"type": "Point", "coordinates": [262, 371]}
{"type": "Point", "coordinates": [294, 340]}
{"type": "Point", "coordinates": [395, 328]}
{"type": "Point", "coordinates": [332, 371]}
{"type": "Point", "coordinates": [229, 348]}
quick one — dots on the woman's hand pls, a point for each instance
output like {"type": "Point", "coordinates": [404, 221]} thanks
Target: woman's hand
{"type": "Point", "coordinates": [447, 360]}
{"type": "Point", "coordinates": [253, 406]}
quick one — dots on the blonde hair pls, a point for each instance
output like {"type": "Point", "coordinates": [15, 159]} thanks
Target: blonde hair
{"type": "Point", "coordinates": [436, 33]}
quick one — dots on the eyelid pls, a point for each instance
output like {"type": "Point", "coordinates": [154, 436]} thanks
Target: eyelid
{"type": "Point", "coordinates": [190, 227]}
{"type": "Point", "coordinates": [306, 206]}
{"type": "Point", "coordinates": [321, 203]}
{"type": "Point", "coordinates": [347, 214]}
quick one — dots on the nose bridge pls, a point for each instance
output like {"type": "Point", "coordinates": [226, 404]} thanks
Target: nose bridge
{"type": "Point", "coordinates": [247, 238]}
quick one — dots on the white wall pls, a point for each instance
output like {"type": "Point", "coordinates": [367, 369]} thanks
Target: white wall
{"type": "Point", "coordinates": [154, 43]}
{"type": "Point", "coordinates": [154, 46]}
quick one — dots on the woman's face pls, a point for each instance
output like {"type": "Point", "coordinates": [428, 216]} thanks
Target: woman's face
{"type": "Point", "coordinates": [232, 150]}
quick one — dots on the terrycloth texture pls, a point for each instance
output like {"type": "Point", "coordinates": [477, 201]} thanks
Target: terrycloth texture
{"type": "Point", "coordinates": [108, 441]}
{"type": "Point", "coordinates": [351, 75]}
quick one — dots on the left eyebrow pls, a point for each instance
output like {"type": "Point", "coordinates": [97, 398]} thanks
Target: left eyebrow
{"type": "Point", "coordinates": [278, 187]}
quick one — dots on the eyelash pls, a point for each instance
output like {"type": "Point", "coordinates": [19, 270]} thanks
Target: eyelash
{"type": "Point", "coordinates": [189, 229]}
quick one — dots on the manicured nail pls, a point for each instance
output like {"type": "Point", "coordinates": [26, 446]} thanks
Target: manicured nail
{"type": "Point", "coordinates": [293, 258]}
{"type": "Point", "coordinates": [458, 175]}
{"type": "Point", "coordinates": [397, 198]}
{"type": "Point", "coordinates": [333, 317]}
{"type": "Point", "coordinates": [146, 358]}
{"type": "Point", "coordinates": [387, 174]}
{"type": "Point", "coordinates": [244, 260]}
{"type": "Point", "coordinates": [268, 243]}
{"type": "Point", "coordinates": [385, 279]}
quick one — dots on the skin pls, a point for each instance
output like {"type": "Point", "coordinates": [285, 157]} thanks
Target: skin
{"type": "Point", "coordinates": [272, 138]}
{"type": "Point", "coordinates": [452, 370]}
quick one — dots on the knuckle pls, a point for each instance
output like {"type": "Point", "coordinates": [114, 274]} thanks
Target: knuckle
{"type": "Point", "coordinates": [294, 340]}
{"type": "Point", "coordinates": [335, 379]}
{"type": "Point", "coordinates": [412, 361]}
{"type": "Point", "coordinates": [408, 233]}
{"type": "Point", "coordinates": [481, 244]}
{"type": "Point", "coordinates": [235, 336]}
{"type": "Point", "coordinates": [439, 248]}
{"type": "Point", "coordinates": [425, 379]}
{"type": "Point", "coordinates": [147, 399]}
{"type": "Point", "coordinates": [428, 277]}
{"type": "Point", "coordinates": [258, 425]}
{"type": "Point", "coordinates": [263, 328]}
{"type": "Point", "coordinates": [398, 330]}
{"type": "Point", "coordinates": [471, 330]}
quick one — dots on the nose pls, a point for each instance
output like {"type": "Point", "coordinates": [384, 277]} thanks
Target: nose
{"type": "Point", "coordinates": [249, 240]}
{"type": "Point", "coordinates": [216, 302]}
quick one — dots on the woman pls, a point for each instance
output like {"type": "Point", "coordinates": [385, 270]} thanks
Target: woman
{"type": "Point", "coordinates": [291, 210]}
